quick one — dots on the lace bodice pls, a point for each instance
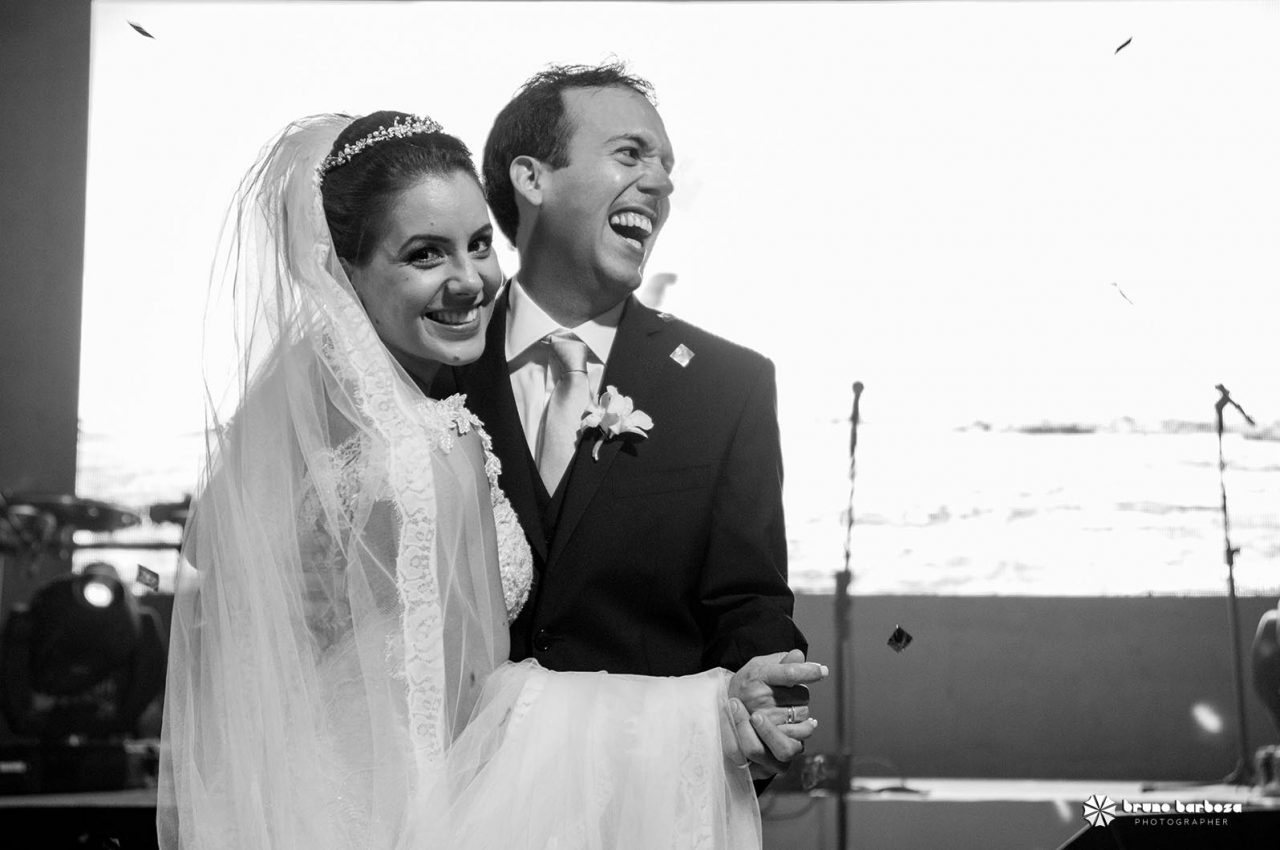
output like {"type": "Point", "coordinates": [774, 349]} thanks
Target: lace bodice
{"type": "Point", "coordinates": [515, 559]}
{"type": "Point", "coordinates": [357, 469]}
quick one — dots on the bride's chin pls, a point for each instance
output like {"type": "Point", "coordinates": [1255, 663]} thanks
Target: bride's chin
{"type": "Point", "coordinates": [425, 361]}
{"type": "Point", "coordinates": [465, 352]}
{"type": "Point", "coordinates": [460, 347]}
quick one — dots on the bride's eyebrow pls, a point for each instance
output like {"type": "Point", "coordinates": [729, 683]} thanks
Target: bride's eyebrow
{"type": "Point", "coordinates": [420, 240]}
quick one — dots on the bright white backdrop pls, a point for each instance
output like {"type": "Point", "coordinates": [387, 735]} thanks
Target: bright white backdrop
{"type": "Point", "coordinates": [983, 211]}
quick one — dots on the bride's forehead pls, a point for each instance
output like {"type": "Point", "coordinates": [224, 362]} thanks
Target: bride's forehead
{"type": "Point", "coordinates": [438, 202]}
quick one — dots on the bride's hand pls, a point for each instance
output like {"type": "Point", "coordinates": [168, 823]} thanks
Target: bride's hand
{"type": "Point", "coordinates": [767, 747]}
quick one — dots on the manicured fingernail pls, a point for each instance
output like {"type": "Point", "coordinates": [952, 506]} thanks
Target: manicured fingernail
{"type": "Point", "coordinates": [757, 719]}
{"type": "Point", "coordinates": [824, 669]}
{"type": "Point", "coordinates": [813, 721]}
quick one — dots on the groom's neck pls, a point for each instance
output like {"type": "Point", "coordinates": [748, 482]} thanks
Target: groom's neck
{"type": "Point", "coordinates": [570, 299]}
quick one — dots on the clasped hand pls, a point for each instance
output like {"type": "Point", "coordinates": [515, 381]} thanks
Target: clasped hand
{"type": "Point", "coordinates": [769, 707]}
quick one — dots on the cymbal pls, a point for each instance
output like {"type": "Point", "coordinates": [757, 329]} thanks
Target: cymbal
{"type": "Point", "coordinates": [75, 512]}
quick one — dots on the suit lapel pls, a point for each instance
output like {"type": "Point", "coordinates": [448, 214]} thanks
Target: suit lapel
{"type": "Point", "coordinates": [487, 383]}
{"type": "Point", "coordinates": [634, 363]}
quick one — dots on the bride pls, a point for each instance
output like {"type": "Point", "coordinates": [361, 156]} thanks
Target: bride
{"type": "Point", "coordinates": [338, 673]}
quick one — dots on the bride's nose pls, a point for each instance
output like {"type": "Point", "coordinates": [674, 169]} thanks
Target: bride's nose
{"type": "Point", "coordinates": [465, 280]}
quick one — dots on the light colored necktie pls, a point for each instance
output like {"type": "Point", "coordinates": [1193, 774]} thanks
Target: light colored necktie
{"type": "Point", "coordinates": [569, 400]}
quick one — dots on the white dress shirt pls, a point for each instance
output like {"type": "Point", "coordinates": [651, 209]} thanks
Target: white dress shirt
{"type": "Point", "coordinates": [534, 371]}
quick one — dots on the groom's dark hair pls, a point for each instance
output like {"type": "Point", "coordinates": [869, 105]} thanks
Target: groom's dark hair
{"type": "Point", "coordinates": [534, 124]}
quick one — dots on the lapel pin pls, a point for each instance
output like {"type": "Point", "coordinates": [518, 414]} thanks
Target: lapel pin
{"type": "Point", "coordinates": [666, 317]}
{"type": "Point", "coordinates": [682, 354]}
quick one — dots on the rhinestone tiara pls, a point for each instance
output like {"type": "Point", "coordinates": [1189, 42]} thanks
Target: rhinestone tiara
{"type": "Point", "coordinates": [398, 130]}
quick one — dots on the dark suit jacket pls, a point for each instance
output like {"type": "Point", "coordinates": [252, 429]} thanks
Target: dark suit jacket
{"type": "Point", "coordinates": [667, 556]}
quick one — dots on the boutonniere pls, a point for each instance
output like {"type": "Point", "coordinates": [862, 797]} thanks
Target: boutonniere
{"type": "Point", "coordinates": [614, 414]}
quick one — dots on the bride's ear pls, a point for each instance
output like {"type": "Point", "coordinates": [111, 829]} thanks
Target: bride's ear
{"type": "Point", "coordinates": [526, 179]}
{"type": "Point", "coordinates": [350, 271]}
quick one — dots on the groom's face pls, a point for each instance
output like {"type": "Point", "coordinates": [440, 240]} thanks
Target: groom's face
{"type": "Point", "coordinates": [602, 212]}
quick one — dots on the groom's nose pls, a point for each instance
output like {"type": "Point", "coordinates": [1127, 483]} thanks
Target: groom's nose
{"type": "Point", "coordinates": [656, 180]}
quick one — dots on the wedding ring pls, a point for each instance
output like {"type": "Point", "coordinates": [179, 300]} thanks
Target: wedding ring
{"type": "Point", "coordinates": [791, 714]}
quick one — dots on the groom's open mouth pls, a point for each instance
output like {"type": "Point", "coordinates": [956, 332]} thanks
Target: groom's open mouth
{"type": "Point", "coordinates": [635, 228]}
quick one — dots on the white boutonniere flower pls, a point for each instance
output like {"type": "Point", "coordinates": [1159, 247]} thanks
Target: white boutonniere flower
{"type": "Point", "coordinates": [614, 414]}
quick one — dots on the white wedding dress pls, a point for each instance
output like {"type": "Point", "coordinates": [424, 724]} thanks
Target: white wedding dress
{"type": "Point", "coordinates": [337, 673]}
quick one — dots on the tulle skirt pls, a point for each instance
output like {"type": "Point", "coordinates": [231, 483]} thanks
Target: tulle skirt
{"type": "Point", "coordinates": [548, 761]}
{"type": "Point", "coordinates": [579, 761]}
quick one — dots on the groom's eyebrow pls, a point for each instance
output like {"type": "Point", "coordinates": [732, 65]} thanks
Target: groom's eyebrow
{"type": "Point", "coordinates": [646, 142]}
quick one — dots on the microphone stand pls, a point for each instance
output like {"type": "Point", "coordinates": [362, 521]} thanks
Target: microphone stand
{"type": "Point", "coordinates": [1243, 774]}
{"type": "Point", "coordinates": [843, 603]}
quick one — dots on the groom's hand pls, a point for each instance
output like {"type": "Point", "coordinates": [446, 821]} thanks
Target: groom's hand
{"type": "Point", "coordinates": [780, 679]}
{"type": "Point", "coordinates": [771, 716]}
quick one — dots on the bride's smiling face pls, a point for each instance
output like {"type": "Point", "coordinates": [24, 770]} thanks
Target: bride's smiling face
{"type": "Point", "coordinates": [429, 283]}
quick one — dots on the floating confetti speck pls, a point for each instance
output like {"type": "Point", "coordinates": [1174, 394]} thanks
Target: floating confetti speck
{"type": "Point", "coordinates": [147, 578]}
{"type": "Point", "coordinates": [1123, 46]}
{"type": "Point", "coordinates": [140, 30]}
{"type": "Point", "coordinates": [899, 640]}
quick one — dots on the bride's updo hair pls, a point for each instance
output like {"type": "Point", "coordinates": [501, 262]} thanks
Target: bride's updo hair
{"type": "Point", "coordinates": [358, 193]}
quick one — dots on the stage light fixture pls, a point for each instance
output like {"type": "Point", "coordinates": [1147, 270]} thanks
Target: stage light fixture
{"type": "Point", "coordinates": [81, 663]}
{"type": "Point", "coordinates": [99, 594]}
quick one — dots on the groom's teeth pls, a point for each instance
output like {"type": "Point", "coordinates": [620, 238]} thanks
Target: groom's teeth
{"type": "Point", "coordinates": [633, 227]}
{"type": "Point", "coordinates": [454, 317]}
{"type": "Point", "coordinates": [631, 219]}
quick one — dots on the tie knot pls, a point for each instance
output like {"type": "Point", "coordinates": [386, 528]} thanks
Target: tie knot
{"type": "Point", "coordinates": [570, 351]}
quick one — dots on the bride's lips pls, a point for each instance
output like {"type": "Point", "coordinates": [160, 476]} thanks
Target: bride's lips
{"type": "Point", "coordinates": [453, 318]}
{"type": "Point", "coordinates": [457, 321]}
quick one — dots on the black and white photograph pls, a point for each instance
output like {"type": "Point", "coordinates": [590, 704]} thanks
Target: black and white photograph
{"type": "Point", "coordinates": [640, 424]}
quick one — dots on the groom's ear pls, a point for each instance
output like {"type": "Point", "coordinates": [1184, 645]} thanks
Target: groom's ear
{"type": "Point", "coordinates": [526, 179]}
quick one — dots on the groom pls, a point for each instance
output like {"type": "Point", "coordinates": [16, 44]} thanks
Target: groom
{"type": "Point", "coordinates": [659, 542]}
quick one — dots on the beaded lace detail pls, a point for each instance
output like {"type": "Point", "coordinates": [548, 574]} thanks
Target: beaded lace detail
{"type": "Point", "coordinates": [515, 559]}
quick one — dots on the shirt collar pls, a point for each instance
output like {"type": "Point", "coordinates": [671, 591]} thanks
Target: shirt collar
{"type": "Point", "coordinates": [527, 324]}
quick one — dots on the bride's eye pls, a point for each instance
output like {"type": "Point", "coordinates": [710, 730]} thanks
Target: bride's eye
{"type": "Point", "coordinates": [480, 246]}
{"type": "Point", "coordinates": [425, 257]}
